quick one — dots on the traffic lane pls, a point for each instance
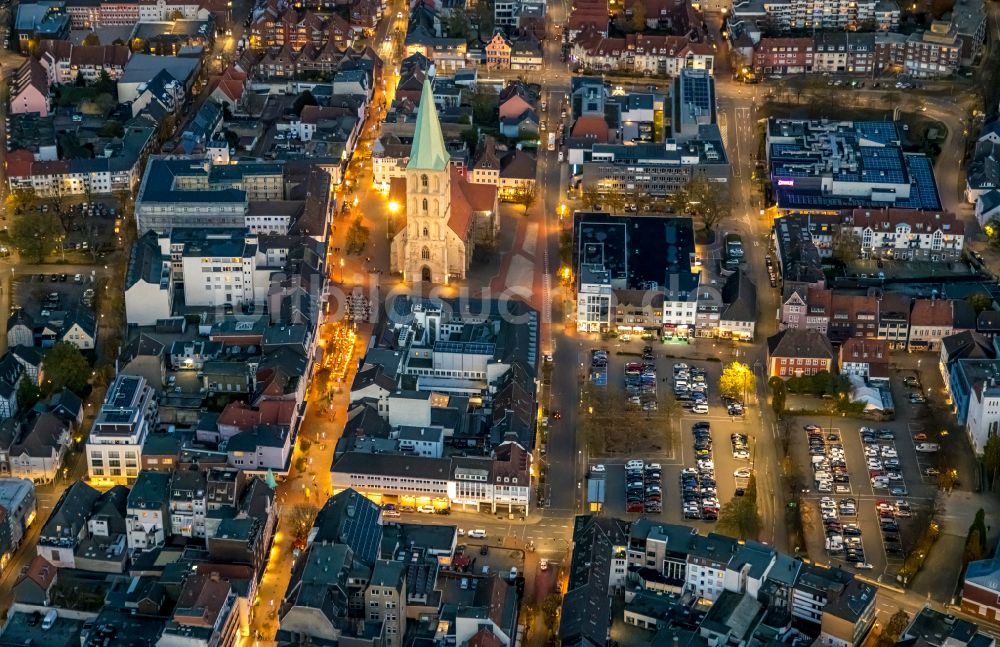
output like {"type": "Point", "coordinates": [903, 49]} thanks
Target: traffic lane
{"type": "Point", "coordinates": [562, 456]}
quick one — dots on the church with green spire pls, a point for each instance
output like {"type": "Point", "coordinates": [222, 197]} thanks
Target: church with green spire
{"type": "Point", "coordinates": [446, 215]}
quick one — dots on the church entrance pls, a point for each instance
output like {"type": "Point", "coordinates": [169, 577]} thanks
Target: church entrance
{"type": "Point", "coordinates": [425, 274]}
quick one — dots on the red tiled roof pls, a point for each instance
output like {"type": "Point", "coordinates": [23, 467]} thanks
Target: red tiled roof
{"type": "Point", "coordinates": [932, 312]}
{"type": "Point", "coordinates": [859, 350]}
{"type": "Point", "coordinates": [270, 412]}
{"type": "Point", "coordinates": [919, 221]}
{"type": "Point", "coordinates": [19, 163]}
{"type": "Point", "coordinates": [591, 127]}
{"type": "Point", "coordinates": [41, 572]}
{"type": "Point", "coordinates": [100, 55]}
{"type": "Point", "coordinates": [484, 638]}
{"type": "Point", "coordinates": [772, 43]}
{"type": "Point", "coordinates": [819, 298]}
{"type": "Point", "coordinates": [231, 82]}
{"type": "Point", "coordinates": [466, 200]}
{"type": "Point", "coordinates": [201, 600]}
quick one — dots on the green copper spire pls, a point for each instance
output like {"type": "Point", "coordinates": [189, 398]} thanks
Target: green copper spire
{"type": "Point", "coordinates": [428, 151]}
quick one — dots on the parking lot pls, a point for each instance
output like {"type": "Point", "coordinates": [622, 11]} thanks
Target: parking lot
{"type": "Point", "coordinates": [36, 293]}
{"type": "Point", "coordinates": [883, 468]}
{"type": "Point", "coordinates": [677, 448]}
{"type": "Point", "coordinates": [92, 227]}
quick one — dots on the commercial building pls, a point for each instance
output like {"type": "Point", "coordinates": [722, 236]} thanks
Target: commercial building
{"type": "Point", "coordinates": [127, 416]}
{"type": "Point", "coordinates": [692, 104]}
{"type": "Point", "coordinates": [826, 166]}
{"type": "Point", "coordinates": [199, 194]}
{"type": "Point", "coordinates": [655, 170]}
{"type": "Point", "coordinates": [634, 274]}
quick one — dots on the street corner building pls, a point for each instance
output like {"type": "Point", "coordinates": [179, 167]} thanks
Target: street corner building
{"type": "Point", "coordinates": [446, 215]}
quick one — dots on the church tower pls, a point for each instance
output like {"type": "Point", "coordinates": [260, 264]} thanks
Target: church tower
{"type": "Point", "coordinates": [425, 248]}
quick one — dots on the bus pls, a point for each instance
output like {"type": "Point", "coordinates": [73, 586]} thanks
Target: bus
{"type": "Point", "coordinates": [552, 141]}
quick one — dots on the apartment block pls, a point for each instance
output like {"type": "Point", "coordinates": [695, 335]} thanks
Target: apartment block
{"type": "Point", "coordinates": [127, 416]}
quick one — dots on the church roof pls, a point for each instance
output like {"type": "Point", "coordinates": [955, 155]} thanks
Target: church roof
{"type": "Point", "coordinates": [428, 150]}
{"type": "Point", "coordinates": [466, 200]}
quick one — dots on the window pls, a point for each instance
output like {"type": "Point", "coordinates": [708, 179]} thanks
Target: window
{"type": "Point", "coordinates": [425, 253]}
{"type": "Point", "coordinates": [423, 185]}
{"type": "Point", "coordinates": [424, 204]}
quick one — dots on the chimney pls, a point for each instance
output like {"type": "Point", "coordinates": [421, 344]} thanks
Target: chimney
{"type": "Point", "coordinates": [214, 576]}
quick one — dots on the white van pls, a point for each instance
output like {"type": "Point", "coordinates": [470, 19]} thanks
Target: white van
{"type": "Point", "coordinates": [478, 533]}
{"type": "Point", "coordinates": [50, 619]}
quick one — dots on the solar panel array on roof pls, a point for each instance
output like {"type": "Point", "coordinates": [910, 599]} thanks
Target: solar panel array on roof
{"type": "Point", "coordinates": [124, 392]}
{"type": "Point", "coordinates": [877, 131]}
{"type": "Point", "coordinates": [471, 348]}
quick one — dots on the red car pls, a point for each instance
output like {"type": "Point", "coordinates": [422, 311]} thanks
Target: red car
{"type": "Point", "coordinates": [635, 506]}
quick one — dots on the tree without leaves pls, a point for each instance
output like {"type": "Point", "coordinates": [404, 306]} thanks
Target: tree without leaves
{"type": "Point", "coordinates": [590, 197]}
{"type": "Point", "coordinates": [302, 518]}
{"type": "Point", "coordinates": [614, 201]}
{"type": "Point", "coordinates": [846, 245]}
{"type": "Point", "coordinates": [64, 366]}
{"type": "Point", "coordinates": [526, 198]}
{"type": "Point", "coordinates": [706, 201]}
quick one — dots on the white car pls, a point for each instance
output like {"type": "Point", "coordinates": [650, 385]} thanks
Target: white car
{"type": "Point", "coordinates": [864, 566]}
{"type": "Point", "coordinates": [597, 469]}
{"type": "Point", "coordinates": [742, 473]}
{"type": "Point", "coordinates": [927, 448]}
{"type": "Point", "coordinates": [543, 564]}
{"type": "Point", "coordinates": [478, 533]}
{"type": "Point", "coordinates": [701, 409]}
{"type": "Point", "coordinates": [889, 452]}
{"type": "Point", "coordinates": [461, 532]}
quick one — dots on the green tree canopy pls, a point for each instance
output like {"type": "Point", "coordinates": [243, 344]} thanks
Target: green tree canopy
{"type": "Point", "coordinates": [739, 517]}
{"type": "Point", "coordinates": [980, 301]}
{"type": "Point", "coordinates": [35, 235]}
{"type": "Point", "coordinates": [357, 237]}
{"type": "Point", "coordinates": [64, 366]}
{"type": "Point", "coordinates": [737, 381]}
{"type": "Point", "coordinates": [92, 39]}
{"type": "Point", "coordinates": [779, 393]}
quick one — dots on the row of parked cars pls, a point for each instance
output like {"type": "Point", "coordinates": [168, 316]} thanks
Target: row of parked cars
{"type": "Point", "coordinates": [829, 461]}
{"type": "Point", "coordinates": [882, 459]}
{"type": "Point", "coordinates": [640, 384]}
{"type": "Point", "coordinates": [698, 488]}
{"type": "Point", "coordinates": [843, 538]}
{"type": "Point", "coordinates": [643, 492]}
{"type": "Point", "coordinates": [772, 274]}
{"type": "Point", "coordinates": [691, 388]}
{"type": "Point", "coordinates": [888, 515]}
